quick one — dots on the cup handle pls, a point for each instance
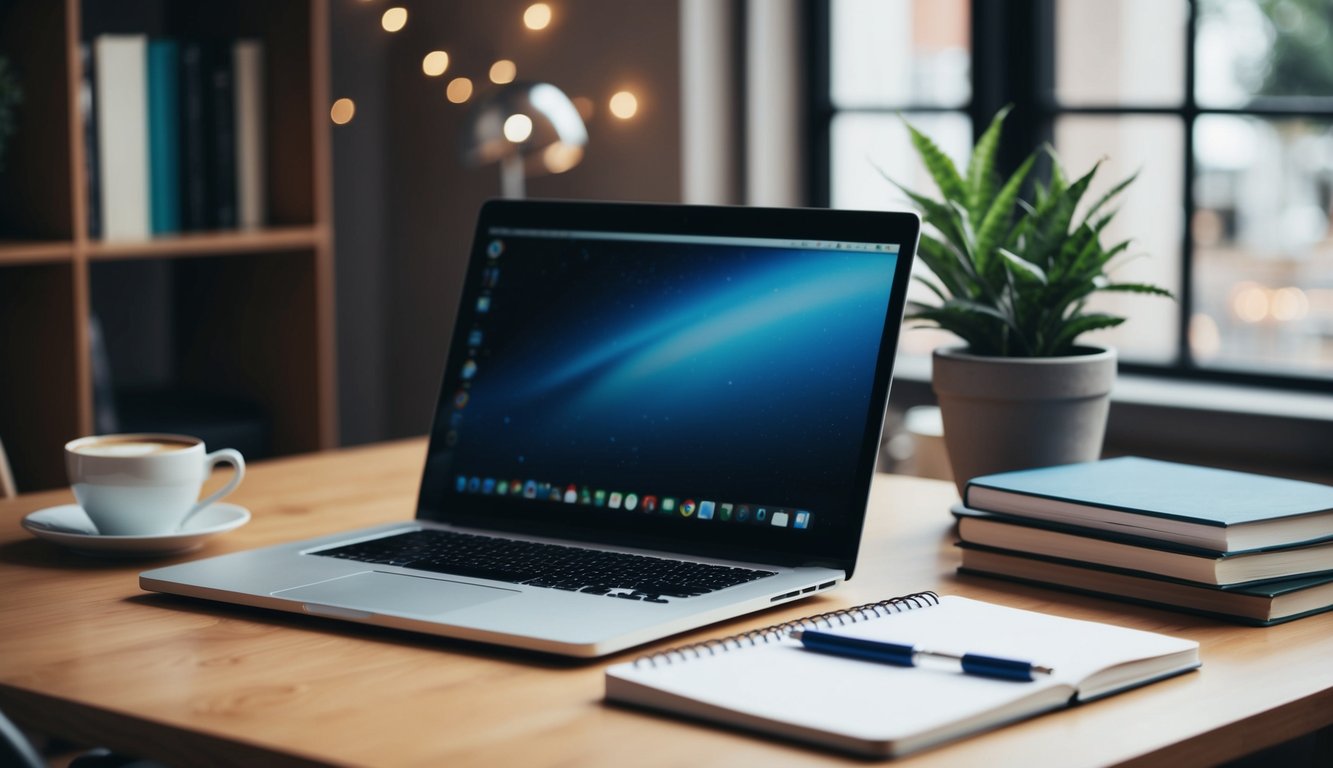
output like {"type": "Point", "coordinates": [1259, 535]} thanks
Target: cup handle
{"type": "Point", "coordinates": [230, 456]}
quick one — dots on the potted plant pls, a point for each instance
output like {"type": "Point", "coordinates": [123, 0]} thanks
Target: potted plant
{"type": "Point", "coordinates": [1012, 279]}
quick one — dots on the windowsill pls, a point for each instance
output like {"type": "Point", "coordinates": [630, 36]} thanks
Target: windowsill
{"type": "Point", "coordinates": [1244, 427]}
{"type": "Point", "coordinates": [1187, 395]}
{"type": "Point", "coordinates": [1222, 398]}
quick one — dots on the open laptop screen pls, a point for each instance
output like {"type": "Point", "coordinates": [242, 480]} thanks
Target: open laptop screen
{"type": "Point", "coordinates": [700, 392]}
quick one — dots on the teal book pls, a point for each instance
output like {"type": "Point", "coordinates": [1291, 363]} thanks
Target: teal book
{"type": "Point", "coordinates": [164, 135]}
{"type": "Point", "coordinates": [1214, 509]}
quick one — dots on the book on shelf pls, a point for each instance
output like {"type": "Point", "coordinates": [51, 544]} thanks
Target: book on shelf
{"type": "Point", "coordinates": [1215, 509]}
{"type": "Point", "coordinates": [1261, 604]}
{"type": "Point", "coordinates": [221, 127]}
{"type": "Point", "coordinates": [194, 185]}
{"type": "Point", "coordinates": [164, 135]}
{"type": "Point", "coordinates": [121, 103]}
{"type": "Point", "coordinates": [767, 682]}
{"type": "Point", "coordinates": [175, 135]}
{"type": "Point", "coordinates": [88, 117]}
{"type": "Point", "coordinates": [1138, 553]}
{"type": "Point", "coordinates": [251, 153]}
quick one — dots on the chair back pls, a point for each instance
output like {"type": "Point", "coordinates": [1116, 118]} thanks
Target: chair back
{"type": "Point", "coordinates": [15, 749]}
{"type": "Point", "coordinates": [7, 489]}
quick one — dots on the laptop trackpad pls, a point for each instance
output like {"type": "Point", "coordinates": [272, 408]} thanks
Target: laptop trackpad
{"type": "Point", "coordinates": [378, 592]}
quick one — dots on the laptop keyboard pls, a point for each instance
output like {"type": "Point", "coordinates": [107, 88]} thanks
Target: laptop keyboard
{"type": "Point", "coordinates": [630, 577]}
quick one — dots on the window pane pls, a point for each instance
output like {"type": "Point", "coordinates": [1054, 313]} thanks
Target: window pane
{"type": "Point", "coordinates": [1120, 52]}
{"type": "Point", "coordinates": [866, 148]}
{"type": "Point", "coordinates": [1149, 214]}
{"type": "Point", "coordinates": [1263, 245]}
{"type": "Point", "coordinates": [899, 53]}
{"type": "Point", "coordinates": [1263, 48]}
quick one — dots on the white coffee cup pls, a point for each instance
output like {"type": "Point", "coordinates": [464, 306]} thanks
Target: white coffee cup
{"type": "Point", "coordinates": [144, 484]}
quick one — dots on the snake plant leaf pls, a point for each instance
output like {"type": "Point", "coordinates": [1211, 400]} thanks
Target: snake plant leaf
{"type": "Point", "coordinates": [941, 168]}
{"type": "Point", "coordinates": [952, 268]}
{"type": "Point", "coordinates": [1058, 179]}
{"type": "Point", "coordinates": [995, 224]}
{"type": "Point", "coordinates": [982, 334]}
{"type": "Point", "coordinates": [1067, 305]}
{"type": "Point", "coordinates": [1078, 325]}
{"type": "Point", "coordinates": [1082, 247]}
{"type": "Point", "coordinates": [1109, 196]}
{"type": "Point", "coordinates": [1137, 288]}
{"type": "Point", "coordinates": [1094, 262]}
{"type": "Point", "coordinates": [1061, 214]}
{"type": "Point", "coordinates": [931, 286]}
{"type": "Point", "coordinates": [982, 308]}
{"type": "Point", "coordinates": [1023, 267]}
{"type": "Point", "coordinates": [964, 220]}
{"type": "Point", "coordinates": [1013, 276]}
{"type": "Point", "coordinates": [981, 176]}
{"type": "Point", "coordinates": [939, 215]}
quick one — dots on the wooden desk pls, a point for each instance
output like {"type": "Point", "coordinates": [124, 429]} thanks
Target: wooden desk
{"type": "Point", "coordinates": [85, 654]}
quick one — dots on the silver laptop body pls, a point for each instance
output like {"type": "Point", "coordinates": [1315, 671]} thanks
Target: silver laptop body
{"type": "Point", "coordinates": [680, 405]}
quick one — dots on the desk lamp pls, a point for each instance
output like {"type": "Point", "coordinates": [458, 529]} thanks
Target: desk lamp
{"type": "Point", "coordinates": [529, 129]}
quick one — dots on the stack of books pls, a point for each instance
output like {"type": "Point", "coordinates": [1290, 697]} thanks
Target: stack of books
{"type": "Point", "coordinates": [174, 135]}
{"type": "Point", "coordinates": [1246, 547]}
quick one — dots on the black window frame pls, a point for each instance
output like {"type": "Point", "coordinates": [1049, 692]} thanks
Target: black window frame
{"type": "Point", "coordinates": [1013, 62]}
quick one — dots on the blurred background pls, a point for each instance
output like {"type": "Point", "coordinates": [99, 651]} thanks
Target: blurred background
{"type": "Point", "coordinates": [320, 316]}
{"type": "Point", "coordinates": [1223, 109]}
{"type": "Point", "coordinates": [405, 201]}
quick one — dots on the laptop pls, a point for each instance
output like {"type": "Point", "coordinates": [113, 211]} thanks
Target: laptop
{"type": "Point", "coordinates": [652, 418]}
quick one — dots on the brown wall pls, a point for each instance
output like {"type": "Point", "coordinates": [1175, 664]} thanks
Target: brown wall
{"type": "Point", "coordinates": [430, 200]}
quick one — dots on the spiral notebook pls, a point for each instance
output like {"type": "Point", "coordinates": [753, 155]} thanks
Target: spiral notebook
{"type": "Point", "coordinates": [765, 681]}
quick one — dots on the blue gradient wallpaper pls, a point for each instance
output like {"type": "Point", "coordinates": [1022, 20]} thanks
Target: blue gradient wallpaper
{"type": "Point", "coordinates": [736, 374]}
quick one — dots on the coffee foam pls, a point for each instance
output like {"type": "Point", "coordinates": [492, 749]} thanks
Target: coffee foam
{"type": "Point", "coordinates": [130, 448]}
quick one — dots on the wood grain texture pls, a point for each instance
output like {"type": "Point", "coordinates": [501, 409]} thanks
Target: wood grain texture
{"type": "Point", "coordinates": [34, 251]}
{"type": "Point", "coordinates": [85, 653]}
{"type": "Point", "coordinates": [219, 242]}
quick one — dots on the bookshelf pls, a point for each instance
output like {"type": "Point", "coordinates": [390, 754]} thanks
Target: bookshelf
{"type": "Point", "coordinates": [248, 313]}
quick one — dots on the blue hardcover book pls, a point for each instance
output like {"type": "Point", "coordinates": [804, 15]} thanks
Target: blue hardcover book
{"type": "Point", "coordinates": [221, 128]}
{"type": "Point", "coordinates": [196, 208]}
{"type": "Point", "coordinates": [1217, 509]}
{"type": "Point", "coordinates": [164, 135]}
{"type": "Point", "coordinates": [92, 167]}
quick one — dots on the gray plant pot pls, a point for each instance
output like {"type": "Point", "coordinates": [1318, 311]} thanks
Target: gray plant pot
{"type": "Point", "coordinates": [1003, 413]}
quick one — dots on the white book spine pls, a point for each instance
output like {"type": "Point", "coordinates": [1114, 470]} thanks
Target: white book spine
{"type": "Point", "coordinates": [251, 165]}
{"type": "Point", "coordinates": [122, 134]}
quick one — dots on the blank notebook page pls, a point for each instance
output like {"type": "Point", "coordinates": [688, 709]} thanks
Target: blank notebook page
{"type": "Point", "coordinates": [779, 681]}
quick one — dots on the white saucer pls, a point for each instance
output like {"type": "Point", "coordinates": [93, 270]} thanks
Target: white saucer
{"type": "Point", "coordinates": [69, 526]}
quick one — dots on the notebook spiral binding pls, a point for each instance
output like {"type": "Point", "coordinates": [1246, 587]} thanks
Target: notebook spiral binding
{"type": "Point", "coordinates": [778, 631]}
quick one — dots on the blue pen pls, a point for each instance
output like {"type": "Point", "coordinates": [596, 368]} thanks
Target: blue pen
{"type": "Point", "coordinates": [901, 655]}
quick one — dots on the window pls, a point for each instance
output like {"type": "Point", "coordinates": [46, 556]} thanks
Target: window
{"type": "Point", "coordinates": [1224, 108]}
{"type": "Point", "coordinates": [886, 58]}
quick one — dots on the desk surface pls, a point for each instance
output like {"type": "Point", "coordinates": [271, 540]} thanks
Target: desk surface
{"type": "Point", "coordinates": [84, 653]}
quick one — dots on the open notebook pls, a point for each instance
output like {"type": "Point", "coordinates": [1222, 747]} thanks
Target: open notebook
{"type": "Point", "coordinates": [765, 681]}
